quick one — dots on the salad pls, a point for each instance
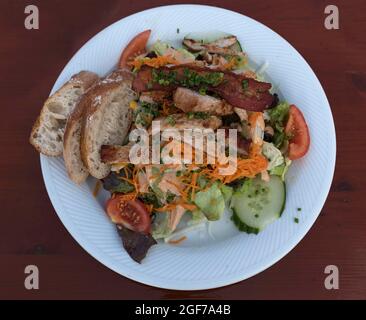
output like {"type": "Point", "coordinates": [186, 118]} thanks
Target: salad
{"type": "Point", "coordinates": [206, 83]}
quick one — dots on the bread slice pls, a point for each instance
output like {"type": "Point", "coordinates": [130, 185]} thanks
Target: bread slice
{"type": "Point", "coordinates": [74, 165]}
{"type": "Point", "coordinates": [107, 119]}
{"type": "Point", "coordinates": [48, 131]}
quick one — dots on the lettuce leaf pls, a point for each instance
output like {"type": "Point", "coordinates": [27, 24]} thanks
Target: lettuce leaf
{"type": "Point", "coordinates": [282, 169]}
{"type": "Point", "coordinates": [160, 225]}
{"type": "Point", "coordinates": [273, 154]}
{"type": "Point", "coordinates": [135, 243]}
{"type": "Point", "coordinates": [278, 117]}
{"type": "Point", "coordinates": [211, 202]}
{"type": "Point", "coordinates": [113, 183]}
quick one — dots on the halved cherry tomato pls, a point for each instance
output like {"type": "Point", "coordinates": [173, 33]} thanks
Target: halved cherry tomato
{"type": "Point", "coordinates": [130, 213]}
{"type": "Point", "coordinates": [136, 47]}
{"type": "Point", "coordinates": [298, 131]}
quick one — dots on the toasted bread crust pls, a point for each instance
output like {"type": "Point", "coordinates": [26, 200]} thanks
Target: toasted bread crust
{"type": "Point", "coordinates": [83, 80]}
{"type": "Point", "coordinates": [71, 152]}
{"type": "Point", "coordinates": [97, 101]}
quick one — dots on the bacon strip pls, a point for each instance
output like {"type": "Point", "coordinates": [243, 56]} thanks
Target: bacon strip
{"type": "Point", "coordinates": [252, 96]}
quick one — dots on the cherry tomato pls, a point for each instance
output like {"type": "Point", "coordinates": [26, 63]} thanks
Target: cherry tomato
{"type": "Point", "coordinates": [130, 213]}
{"type": "Point", "coordinates": [298, 131]}
{"type": "Point", "coordinates": [136, 47]}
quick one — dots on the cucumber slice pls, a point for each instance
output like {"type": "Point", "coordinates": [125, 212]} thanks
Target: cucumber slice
{"type": "Point", "coordinates": [237, 47]}
{"type": "Point", "coordinates": [206, 37]}
{"type": "Point", "coordinates": [258, 205]}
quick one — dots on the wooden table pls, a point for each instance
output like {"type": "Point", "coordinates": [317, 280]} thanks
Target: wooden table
{"type": "Point", "coordinates": [31, 232]}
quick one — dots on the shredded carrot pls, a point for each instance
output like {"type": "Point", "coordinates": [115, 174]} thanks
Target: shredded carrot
{"type": "Point", "coordinates": [253, 118]}
{"type": "Point", "coordinates": [177, 241]}
{"type": "Point", "coordinates": [231, 64]}
{"type": "Point", "coordinates": [167, 207]}
{"type": "Point", "coordinates": [127, 196]}
{"type": "Point", "coordinates": [149, 207]}
{"type": "Point", "coordinates": [255, 149]}
{"type": "Point", "coordinates": [192, 185]}
{"type": "Point", "coordinates": [187, 182]}
{"type": "Point", "coordinates": [154, 62]}
{"type": "Point", "coordinates": [187, 206]}
{"type": "Point", "coordinates": [182, 192]}
{"type": "Point", "coordinates": [125, 172]}
{"type": "Point", "coordinates": [245, 168]}
{"type": "Point", "coordinates": [126, 179]}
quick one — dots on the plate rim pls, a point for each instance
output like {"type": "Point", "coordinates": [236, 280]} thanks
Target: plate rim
{"type": "Point", "coordinates": [97, 254]}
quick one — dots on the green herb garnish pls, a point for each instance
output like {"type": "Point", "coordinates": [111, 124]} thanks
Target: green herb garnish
{"type": "Point", "coordinates": [115, 182]}
{"type": "Point", "coordinates": [150, 198]}
{"type": "Point", "coordinates": [189, 78]}
{"type": "Point", "coordinates": [197, 115]}
{"type": "Point", "coordinates": [164, 78]}
{"type": "Point", "coordinates": [245, 84]}
{"type": "Point", "coordinates": [170, 119]}
{"type": "Point", "coordinates": [170, 197]}
{"type": "Point", "coordinates": [202, 91]}
{"type": "Point", "coordinates": [278, 118]}
{"type": "Point", "coordinates": [150, 108]}
{"type": "Point", "coordinates": [193, 79]}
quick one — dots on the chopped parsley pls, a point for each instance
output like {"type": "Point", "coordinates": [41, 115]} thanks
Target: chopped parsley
{"type": "Point", "coordinates": [189, 78]}
{"type": "Point", "coordinates": [202, 91]}
{"type": "Point", "coordinates": [170, 119]}
{"type": "Point", "coordinates": [296, 220]}
{"type": "Point", "coordinates": [178, 30]}
{"type": "Point", "coordinates": [151, 108]}
{"type": "Point", "coordinates": [197, 115]}
{"type": "Point", "coordinates": [245, 84]}
{"type": "Point", "coordinates": [194, 79]}
{"type": "Point", "coordinates": [150, 198]}
{"type": "Point", "coordinates": [145, 113]}
{"type": "Point", "coordinates": [164, 78]}
{"type": "Point", "coordinates": [299, 209]}
{"type": "Point", "coordinates": [170, 197]}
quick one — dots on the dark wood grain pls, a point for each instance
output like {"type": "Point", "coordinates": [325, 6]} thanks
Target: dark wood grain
{"type": "Point", "coordinates": [31, 233]}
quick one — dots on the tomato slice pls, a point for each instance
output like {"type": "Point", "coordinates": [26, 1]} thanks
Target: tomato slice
{"type": "Point", "coordinates": [136, 47]}
{"type": "Point", "coordinates": [132, 214]}
{"type": "Point", "coordinates": [298, 131]}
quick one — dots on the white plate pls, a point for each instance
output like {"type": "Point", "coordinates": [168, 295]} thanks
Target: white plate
{"type": "Point", "coordinates": [232, 256]}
